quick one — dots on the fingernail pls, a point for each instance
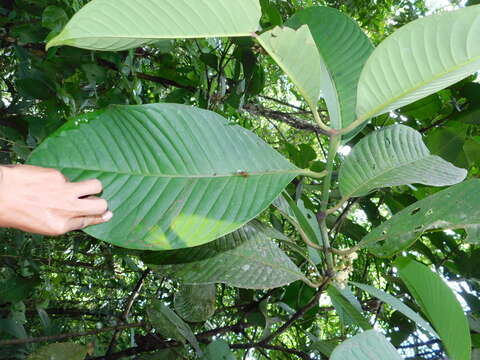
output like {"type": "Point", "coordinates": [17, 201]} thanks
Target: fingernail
{"type": "Point", "coordinates": [107, 216]}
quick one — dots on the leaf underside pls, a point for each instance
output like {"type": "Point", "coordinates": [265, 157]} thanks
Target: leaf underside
{"type": "Point", "coordinates": [392, 156]}
{"type": "Point", "coordinates": [296, 53]}
{"type": "Point", "coordinates": [421, 58]}
{"type": "Point", "coordinates": [195, 303]}
{"type": "Point", "coordinates": [174, 176]}
{"type": "Point", "coordinates": [116, 25]}
{"type": "Point", "coordinates": [246, 258]}
{"type": "Point", "coordinates": [170, 325]}
{"type": "Point", "coordinates": [369, 345]}
{"type": "Point", "coordinates": [452, 208]}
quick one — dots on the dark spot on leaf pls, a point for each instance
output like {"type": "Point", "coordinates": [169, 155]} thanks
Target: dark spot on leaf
{"type": "Point", "coordinates": [415, 211]}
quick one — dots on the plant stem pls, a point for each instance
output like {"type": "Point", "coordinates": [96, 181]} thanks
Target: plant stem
{"type": "Point", "coordinates": [313, 174]}
{"type": "Point", "coordinates": [70, 335]}
{"type": "Point", "coordinates": [321, 124]}
{"type": "Point", "coordinates": [332, 152]}
{"type": "Point", "coordinates": [338, 206]}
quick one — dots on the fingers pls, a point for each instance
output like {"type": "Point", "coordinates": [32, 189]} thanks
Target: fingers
{"type": "Point", "coordinates": [86, 188]}
{"type": "Point", "coordinates": [91, 206]}
{"type": "Point", "coordinates": [85, 221]}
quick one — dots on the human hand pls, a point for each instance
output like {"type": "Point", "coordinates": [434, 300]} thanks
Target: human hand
{"type": "Point", "coordinates": [43, 201]}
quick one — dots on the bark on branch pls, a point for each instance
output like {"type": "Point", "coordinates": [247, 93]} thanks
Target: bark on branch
{"type": "Point", "coordinates": [297, 123]}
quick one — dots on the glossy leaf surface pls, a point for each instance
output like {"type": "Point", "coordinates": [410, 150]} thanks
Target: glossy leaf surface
{"type": "Point", "coordinates": [440, 305]}
{"type": "Point", "coordinates": [344, 49]}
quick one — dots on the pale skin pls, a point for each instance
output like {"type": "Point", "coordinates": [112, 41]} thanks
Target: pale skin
{"type": "Point", "coordinates": [43, 201]}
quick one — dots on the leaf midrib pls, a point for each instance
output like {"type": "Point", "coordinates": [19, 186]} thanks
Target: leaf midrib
{"type": "Point", "coordinates": [64, 39]}
{"type": "Point", "coordinates": [201, 176]}
{"type": "Point", "coordinates": [364, 184]}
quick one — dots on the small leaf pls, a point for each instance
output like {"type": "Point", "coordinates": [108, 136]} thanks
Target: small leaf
{"type": "Point", "coordinates": [344, 49]}
{"type": "Point", "coordinates": [473, 234]}
{"type": "Point", "coordinates": [453, 208]}
{"type": "Point", "coordinates": [246, 258]}
{"type": "Point", "coordinates": [369, 345]}
{"type": "Point", "coordinates": [60, 351]}
{"type": "Point", "coordinates": [392, 156]}
{"type": "Point", "coordinates": [303, 219]}
{"type": "Point", "coordinates": [169, 325]}
{"type": "Point", "coordinates": [348, 312]}
{"type": "Point", "coordinates": [324, 347]}
{"type": "Point", "coordinates": [173, 175]}
{"type": "Point", "coordinates": [296, 53]}
{"type": "Point", "coordinates": [123, 24]}
{"type": "Point", "coordinates": [448, 142]}
{"type": "Point", "coordinates": [218, 350]}
{"type": "Point", "coordinates": [16, 288]}
{"type": "Point", "coordinates": [419, 59]}
{"type": "Point", "coordinates": [440, 305]}
{"type": "Point", "coordinates": [195, 303]}
{"type": "Point", "coordinates": [54, 18]}
{"type": "Point", "coordinates": [397, 305]}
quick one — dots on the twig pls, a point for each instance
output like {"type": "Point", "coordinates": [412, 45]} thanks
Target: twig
{"type": "Point", "coordinates": [155, 343]}
{"type": "Point", "coordinates": [131, 299]}
{"type": "Point", "coordinates": [298, 353]}
{"type": "Point", "coordinates": [281, 102]}
{"type": "Point", "coordinates": [69, 335]}
{"type": "Point", "coordinates": [338, 206]}
{"type": "Point", "coordinates": [297, 315]}
{"type": "Point", "coordinates": [297, 123]}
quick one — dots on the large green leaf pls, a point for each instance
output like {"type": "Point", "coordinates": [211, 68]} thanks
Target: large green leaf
{"type": "Point", "coordinates": [123, 24]}
{"type": "Point", "coordinates": [369, 345]}
{"type": "Point", "coordinates": [452, 208]}
{"type": "Point", "coordinates": [395, 155]}
{"type": "Point", "coordinates": [174, 176]}
{"type": "Point", "coordinates": [60, 351]}
{"type": "Point", "coordinates": [296, 53]}
{"type": "Point", "coordinates": [397, 305]}
{"type": "Point", "coordinates": [348, 311]}
{"type": "Point", "coordinates": [170, 325]}
{"type": "Point", "coordinates": [419, 59]}
{"type": "Point", "coordinates": [440, 305]}
{"type": "Point", "coordinates": [344, 49]}
{"type": "Point", "coordinates": [195, 303]}
{"type": "Point", "coordinates": [246, 258]}
{"type": "Point", "coordinates": [473, 234]}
